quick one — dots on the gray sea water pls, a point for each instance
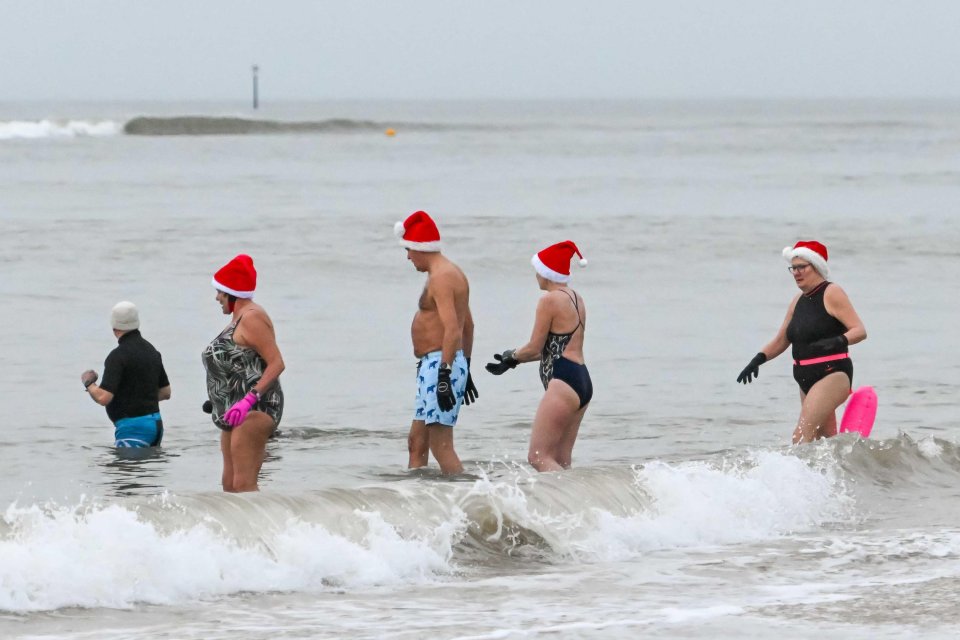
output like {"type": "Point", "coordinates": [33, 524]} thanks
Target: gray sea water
{"type": "Point", "coordinates": [687, 515]}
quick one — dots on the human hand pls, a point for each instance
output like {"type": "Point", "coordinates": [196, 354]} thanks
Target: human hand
{"type": "Point", "coordinates": [504, 362]}
{"type": "Point", "coordinates": [445, 398]}
{"type": "Point", "coordinates": [207, 406]}
{"type": "Point", "coordinates": [470, 394]}
{"type": "Point", "coordinates": [236, 414]}
{"type": "Point", "coordinates": [752, 370]}
{"type": "Point", "coordinates": [829, 346]}
{"type": "Point", "coordinates": [88, 377]}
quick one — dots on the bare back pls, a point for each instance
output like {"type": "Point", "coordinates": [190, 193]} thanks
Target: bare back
{"type": "Point", "coordinates": [569, 316]}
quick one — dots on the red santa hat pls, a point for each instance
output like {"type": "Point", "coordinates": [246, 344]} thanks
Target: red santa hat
{"type": "Point", "coordinates": [418, 232]}
{"type": "Point", "coordinates": [237, 277]}
{"type": "Point", "coordinates": [553, 263]}
{"type": "Point", "coordinates": [811, 251]}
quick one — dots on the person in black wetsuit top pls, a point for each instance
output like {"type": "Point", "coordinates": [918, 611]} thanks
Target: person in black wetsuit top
{"type": "Point", "coordinates": [134, 382]}
{"type": "Point", "coordinates": [557, 342]}
{"type": "Point", "coordinates": [820, 324]}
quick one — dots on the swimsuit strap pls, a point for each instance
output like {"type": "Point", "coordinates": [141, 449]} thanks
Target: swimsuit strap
{"type": "Point", "coordinates": [576, 305]}
{"type": "Point", "coordinates": [231, 329]}
{"type": "Point", "coordinates": [818, 288]}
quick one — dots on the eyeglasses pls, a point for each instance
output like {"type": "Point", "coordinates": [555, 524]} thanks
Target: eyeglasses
{"type": "Point", "coordinates": [797, 268]}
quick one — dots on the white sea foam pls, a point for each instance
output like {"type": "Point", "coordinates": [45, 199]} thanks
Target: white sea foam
{"type": "Point", "coordinates": [108, 557]}
{"type": "Point", "coordinates": [699, 505]}
{"type": "Point", "coordinates": [678, 505]}
{"type": "Point", "coordinates": [31, 129]}
{"type": "Point", "coordinates": [929, 448]}
{"type": "Point", "coordinates": [121, 554]}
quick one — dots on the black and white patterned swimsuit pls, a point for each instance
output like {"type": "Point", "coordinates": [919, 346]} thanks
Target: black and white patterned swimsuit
{"type": "Point", "coordinates": [554, 365]}
{"type": "Point", "coordinates": [232, 371]}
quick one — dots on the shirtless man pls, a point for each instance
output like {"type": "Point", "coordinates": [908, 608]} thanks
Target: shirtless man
{"type": "Point", "coordinates": [442, 333]}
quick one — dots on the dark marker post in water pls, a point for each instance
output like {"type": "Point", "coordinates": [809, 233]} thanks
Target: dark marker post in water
{"type": "Point", "coordinates": [256, 100]}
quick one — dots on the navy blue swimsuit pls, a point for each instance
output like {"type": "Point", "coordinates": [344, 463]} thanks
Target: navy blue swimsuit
{"type": "Point", "coordinates": [554, 365]}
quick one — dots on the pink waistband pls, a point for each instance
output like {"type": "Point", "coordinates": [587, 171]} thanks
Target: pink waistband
{"type": "Point", "coordinates": [836, 356]}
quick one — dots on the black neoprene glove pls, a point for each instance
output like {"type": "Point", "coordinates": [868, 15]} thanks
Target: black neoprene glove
{"type": "Point", "coordinates": [207, 406]}
{"type": "Point", "coordinates": [445, 398]}
{"type": "Point", "coordinates": [829, 346]}
{"type": "Point", "coordinates": [88, 377]}
{"type": "Point", "coordinates": [470, 394]}
{"type": "Point", "coordinates": [752, 370]}
{"type": "Point", "coordinates": [504, 362]}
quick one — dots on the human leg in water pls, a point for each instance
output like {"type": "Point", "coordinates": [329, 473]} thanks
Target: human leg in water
{"type": "Point", "coordinates": [818, 408]}
{"type": "Point", "coordinates": [556, 416]}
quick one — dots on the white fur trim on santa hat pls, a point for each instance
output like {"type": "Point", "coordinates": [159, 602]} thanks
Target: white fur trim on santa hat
{"type": "Point", "coordinates": [427, 247]}
{"type": "Point", "coordinates": [247, 295]}
{"type": "Point", "coordinates": [811, 256]}
{"type": "Point", "coordinates": [547, 272]}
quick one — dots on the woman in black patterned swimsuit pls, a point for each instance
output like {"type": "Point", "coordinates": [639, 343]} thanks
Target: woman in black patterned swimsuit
{"type": "Point", "coordinates": [243, 365]}
{"type": "Point", "coordinates": [557, 342]}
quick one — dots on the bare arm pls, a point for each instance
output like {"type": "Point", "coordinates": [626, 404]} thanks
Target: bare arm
{"type": "Point", "coordinates": [780, 343]}
{"type": "Point", "coordinates": [541, 327]}
{"type": "Point", "coordinates": [100, 396]}
{"type": "Point", "coordinates": [468, 334]}
{"type": "Point", "coordinates": [163, 393]}
{"type": "Point", "coordinates": [443, 296]}
{"type": "Point", "coordinates": [258, 335]}
{"type": "Point", "coordinates": [838, 305]}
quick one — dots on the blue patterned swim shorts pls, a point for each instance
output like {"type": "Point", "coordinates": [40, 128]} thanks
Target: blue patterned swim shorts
{"type": "Point", "coordinates": [426, 405]}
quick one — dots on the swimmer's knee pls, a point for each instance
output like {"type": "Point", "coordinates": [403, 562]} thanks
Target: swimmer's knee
{"type": "Point", "coordinates": [417, 445]}
{"type": "Point", "coordinates": [535, 459]}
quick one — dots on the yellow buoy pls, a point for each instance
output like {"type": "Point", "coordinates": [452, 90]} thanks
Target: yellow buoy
{"type": "Point", "coordinates": [390, 132]}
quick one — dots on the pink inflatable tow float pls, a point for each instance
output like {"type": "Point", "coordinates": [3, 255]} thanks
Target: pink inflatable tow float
{"type": "Point", "coordinates": [860, 413]}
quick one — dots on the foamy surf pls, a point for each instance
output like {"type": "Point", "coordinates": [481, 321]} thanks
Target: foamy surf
{"type": "Point", "coordinates": [38, 129]}
{"type": "Point", "coordinates": [111, 557]}
{"type": "Point", "coordinates": [175, 549]}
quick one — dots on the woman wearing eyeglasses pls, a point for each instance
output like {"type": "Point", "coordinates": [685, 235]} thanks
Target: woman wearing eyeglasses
{"type": "Point", "coordinates": [820, 324]}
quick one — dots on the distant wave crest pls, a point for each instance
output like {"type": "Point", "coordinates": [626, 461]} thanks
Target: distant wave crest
{"type": "Point", "coordinates": [33, 129]}
{"type": "Point", "coordinates": [233, 126]}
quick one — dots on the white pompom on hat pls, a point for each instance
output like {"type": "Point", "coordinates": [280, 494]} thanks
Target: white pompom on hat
{"type": "Point", "coordinates": [553, 263]}
{"type": "Point", "coordinates": [811, 251]}
{"type": "Point", "coordinates": [418, 232]}
{"type": "Point", "coordinates": [124, 316]}
{"type": "Point", "coordinates": [238, 277]}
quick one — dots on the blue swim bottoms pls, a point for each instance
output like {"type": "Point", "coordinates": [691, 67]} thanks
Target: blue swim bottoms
{"type": "Point", "coordinates": [142, 431]}
{"type": "Point", "coordinates": [426, 404]}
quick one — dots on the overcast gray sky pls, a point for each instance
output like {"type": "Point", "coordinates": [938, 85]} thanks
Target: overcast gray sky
{"type": "Point", "coordinates": [203, 49]}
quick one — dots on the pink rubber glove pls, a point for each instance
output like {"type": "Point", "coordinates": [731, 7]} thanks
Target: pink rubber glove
{"type": "Point", "coordinates": [236, 414]}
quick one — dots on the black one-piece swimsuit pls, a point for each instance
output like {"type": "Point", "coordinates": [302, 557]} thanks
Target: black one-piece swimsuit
{"type": "Point", "coordinates": [811, 322]}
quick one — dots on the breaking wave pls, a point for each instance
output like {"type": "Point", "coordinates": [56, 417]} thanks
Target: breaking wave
{"type": "Point", "coordinates": [178, 548]}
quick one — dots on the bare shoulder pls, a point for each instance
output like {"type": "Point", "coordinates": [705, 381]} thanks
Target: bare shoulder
{"type": "Point", "coordinates": [580, 299]}
{"type": "Point", "coordinates": [448, 277]}
{"type": "Point", "coordinates": [835, 299]}
{"type": "Point", "coordinates": [835, 293]}
{"type": "Point", "coordinates": [553, 301]}
{"type": "Point", "coordinates": [256, 316]}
